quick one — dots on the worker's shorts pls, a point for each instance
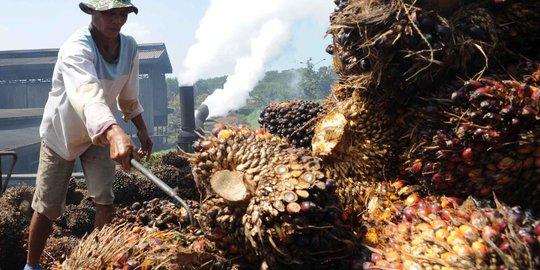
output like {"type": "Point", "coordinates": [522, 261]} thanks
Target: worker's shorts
{"type": "Point", "coordinates": [54, 173]}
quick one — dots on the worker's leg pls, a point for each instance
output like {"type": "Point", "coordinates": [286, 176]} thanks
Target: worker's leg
{"type": "Point", "coordinates": [40, 229]}
{"type": "Point", "coordinates": [104, 214]}
{"type": "Point", "coordinates": [49, 200]}
{"type": "Point", "coordinates": [99, 173]}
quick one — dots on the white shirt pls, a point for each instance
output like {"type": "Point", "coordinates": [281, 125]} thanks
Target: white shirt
{"type": "Point", "coordinates": [85, 89]}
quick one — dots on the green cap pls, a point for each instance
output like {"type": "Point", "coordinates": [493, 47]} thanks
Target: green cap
{"type": "Point", "coordinates": [100, 5]}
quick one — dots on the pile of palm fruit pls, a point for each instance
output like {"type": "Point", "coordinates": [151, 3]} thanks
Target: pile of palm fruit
{"type": "Point", "coordinates": [424, 156]}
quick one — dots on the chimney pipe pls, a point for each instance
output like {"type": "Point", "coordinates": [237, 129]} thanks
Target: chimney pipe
{"type": "Point", "coordinates": [187, 136]}
{"type": "Point", "coordinates": [187, 108]}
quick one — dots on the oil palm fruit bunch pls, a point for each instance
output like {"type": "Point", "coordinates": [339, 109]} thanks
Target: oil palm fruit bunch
{"type": "Point", "coordinates": [185, 183]}
{"type": "Point", "coordinates": [488, 144]}
{"type": "Point", "coordinates": [267, 201]}
{"type": "Point", "coordinates": [127, 246]}
{"type": "Point", "coordinates": [293, 120]}
{"type": "Point", "coordinates": [147, 190]}
{"type": "Point", "coordinates": [395, 44]}
{"type": "Point", "coordinates": [77, 219]}
{"type": "Point", "coordinates": [476, 40]}
{"type": "Point", "coordinates": [12, 253]}
{"type": "Point", "coordinates": [161, 214]}
{"type": "Point", "coordinates": [174, 159]}
{"type": "Point", "coordinates": [518, 25]}
{"type": "Point", "coordinates": [355, 139]}
{"type": "Point", "coordinates": [447, 233]}
{"type": "Point", "coordinates": [19, 199]}
{"type": "Point", "coordinates": [124, 189]}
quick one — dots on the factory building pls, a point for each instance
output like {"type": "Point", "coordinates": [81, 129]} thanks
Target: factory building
{"type": "Point", "coordinates": [25, 82]}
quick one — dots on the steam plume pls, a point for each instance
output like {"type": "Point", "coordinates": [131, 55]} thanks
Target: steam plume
{"type": "Point", "coordinates": [240, 37]}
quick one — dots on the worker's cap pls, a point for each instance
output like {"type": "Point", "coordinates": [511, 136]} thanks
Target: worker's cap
{"type": "Point", "coordinates": [101, 5]}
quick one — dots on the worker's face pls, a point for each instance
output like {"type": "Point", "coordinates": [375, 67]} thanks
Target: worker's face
{"type": "Point", "coordinates": [110, 22]}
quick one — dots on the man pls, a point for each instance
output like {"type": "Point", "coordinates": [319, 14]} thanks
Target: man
{"type": "Point", "coordinates": [97, 68]}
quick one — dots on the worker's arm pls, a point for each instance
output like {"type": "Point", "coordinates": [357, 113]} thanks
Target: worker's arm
{"type": "Point", "coordinates": [144, 138]}
{"type": "Point", "coordinates": [122, 147]}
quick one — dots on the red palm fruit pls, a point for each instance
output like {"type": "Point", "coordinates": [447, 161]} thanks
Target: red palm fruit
{"type": "Point", "coordinates": [537, 229]}
{"type": "Point", "coordinates": [467, 154]}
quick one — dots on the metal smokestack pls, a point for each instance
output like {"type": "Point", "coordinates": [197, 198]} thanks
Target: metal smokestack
{"type": "Point", "coordinates": [187, 136]}
{"type": "Point", "coordinates": [187, 108]}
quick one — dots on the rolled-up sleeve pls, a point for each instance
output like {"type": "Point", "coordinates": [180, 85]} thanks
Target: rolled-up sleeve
{"type": "Point", "coordinates": [128, 100]}
{"type": "Point", "coordinates": [84, 90]}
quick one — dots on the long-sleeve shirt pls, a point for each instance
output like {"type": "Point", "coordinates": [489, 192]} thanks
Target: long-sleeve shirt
{"type": "Point", "coordinates": [85, 89]}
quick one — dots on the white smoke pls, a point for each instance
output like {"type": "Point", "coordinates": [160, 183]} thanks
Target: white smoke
{"type": "Point", "coordinates": [240, 37]}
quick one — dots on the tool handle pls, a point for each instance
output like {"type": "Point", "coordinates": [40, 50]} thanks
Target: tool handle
{"type": "Point", "coordinates": [163, 186]}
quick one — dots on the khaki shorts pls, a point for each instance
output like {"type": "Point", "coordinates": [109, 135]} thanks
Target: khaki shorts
{"type": "Point", "coordinates": [54, 173]}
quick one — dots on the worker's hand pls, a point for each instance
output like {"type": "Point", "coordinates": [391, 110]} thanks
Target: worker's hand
{"type": "Point", "coordinates": [122, 147]}
{"type": "Point", "coordinates": [146, 144]}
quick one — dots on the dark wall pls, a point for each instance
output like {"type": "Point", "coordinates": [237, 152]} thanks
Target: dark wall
{"type": "Point", "coordinates": [24, 95]}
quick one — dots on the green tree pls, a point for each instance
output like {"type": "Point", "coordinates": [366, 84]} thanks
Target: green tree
{"type": "Point", "coordinates": [172, 87]}
{"type": "Point", "coordinates": [309, 83]}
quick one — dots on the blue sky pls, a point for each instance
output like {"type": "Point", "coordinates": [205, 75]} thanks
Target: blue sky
{"type": "Point", "coordinates": [38, 24]}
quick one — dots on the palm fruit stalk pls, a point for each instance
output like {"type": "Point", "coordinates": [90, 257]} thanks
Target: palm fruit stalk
{"type": "Point", "coordinates": [267, 201]}
{"type": "Point", "coordinates": [132, 247]}
{"type": "Point", "coordinates": [447, 233]}
{"type": "Point", "coordinates": [293, 120]}
{"type": "Point", "coordinates": [487, 142]}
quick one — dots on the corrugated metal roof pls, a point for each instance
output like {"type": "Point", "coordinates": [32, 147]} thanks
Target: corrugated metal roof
{"type": "Point", "coordinates": [28, 61]}
{"type": "Point", "coordinates": [24, 58]}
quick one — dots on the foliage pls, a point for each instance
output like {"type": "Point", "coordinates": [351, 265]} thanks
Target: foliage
{"type": "Point", "coordinates": [316, 84]}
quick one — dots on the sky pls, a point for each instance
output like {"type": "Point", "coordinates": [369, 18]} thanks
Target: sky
{"type": "Point", "coordinates": [181, 25]}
